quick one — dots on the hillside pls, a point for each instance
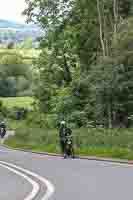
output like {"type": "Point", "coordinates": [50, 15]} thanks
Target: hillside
{"type": "Point", "coordinates": [11, 31]}
{"type": "Point", "coordinates": [16, 25]}
{"type": "Point", "coordinates": [10, 24]}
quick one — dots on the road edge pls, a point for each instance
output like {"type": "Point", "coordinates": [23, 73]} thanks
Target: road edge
{"type": "Point", "coordinates": [112, 160]}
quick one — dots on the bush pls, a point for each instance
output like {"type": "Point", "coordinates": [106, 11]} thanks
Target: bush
{"type": "Point", "coordinates": [42, 120]}
{"type": "Point", "coordinates": [3, 110]}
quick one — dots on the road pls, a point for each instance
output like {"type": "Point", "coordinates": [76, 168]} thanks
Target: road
{"type": "Point", "coordinates": [41, 177]}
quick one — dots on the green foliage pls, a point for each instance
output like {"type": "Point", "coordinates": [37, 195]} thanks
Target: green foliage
{"type": "Point", "coordinates": [26, 44]}
{"type": "Point", "coordinates": [3, 111]}
{"type": "Point", "coordinates": [10, 45]}
{"type": "Point", "coordinates": [9, 108]}
{"type": "Point", "coordinates": [15, 74]}
{"type": "Point", "coordinates": [85, 68]}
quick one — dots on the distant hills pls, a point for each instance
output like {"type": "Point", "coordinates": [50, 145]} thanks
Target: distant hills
{"type": "Point", "coordinates": [10, 24]}
{"type": "Point", "coordinates": [11, 31]}
{"type": "Point", "coordinates": [15, 25]}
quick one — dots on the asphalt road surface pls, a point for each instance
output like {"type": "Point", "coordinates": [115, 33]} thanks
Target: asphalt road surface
{"type": "Point", "coordinates": [26, 176]}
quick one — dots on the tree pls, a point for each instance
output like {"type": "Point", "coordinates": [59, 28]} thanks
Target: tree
{"type": "Point", "coordinates": [13, 65]}
{"type": "Point", "coordinates": [113, 84]}
{"type": "Point", "coordinates": [85, 52]}
{"type": "Point", "coordinates": [26, 44]}
{"type": "Point", "coordinates": [13, 71]}
{"type": "Point", "coordinates": [10, 45]}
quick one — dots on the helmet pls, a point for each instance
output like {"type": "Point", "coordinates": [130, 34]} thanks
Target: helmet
{"type": "Point", "coordinates": [63, 123]}
{"type": "Point", "coordinates": [2, 124]}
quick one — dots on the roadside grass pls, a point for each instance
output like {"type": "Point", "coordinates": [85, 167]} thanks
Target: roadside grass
{"type": "Point", "coordinates": [51, 148]}
{"type": "Point", "coordinates": [111, 143]}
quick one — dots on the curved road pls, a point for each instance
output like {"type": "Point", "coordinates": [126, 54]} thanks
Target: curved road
{"type": "Point", "coordinates": [71, 179]}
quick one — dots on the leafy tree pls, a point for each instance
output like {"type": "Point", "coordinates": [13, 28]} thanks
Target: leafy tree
{"type": "Point", "coordinates": [10, 45]}
{"type": "Point", "coordinates": [13, 65]}
{"type": "Point", "coordinates": [85, 68]}
{"type": "Point", "coordinates": [13, 73]}
{"type": "Point", "coordinates": [26, 44]}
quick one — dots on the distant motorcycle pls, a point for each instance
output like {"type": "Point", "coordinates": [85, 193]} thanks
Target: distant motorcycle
{"type": "Point", "coordinates": [69, 151]}
{"type": "Point", "coordinates": [2, 132]}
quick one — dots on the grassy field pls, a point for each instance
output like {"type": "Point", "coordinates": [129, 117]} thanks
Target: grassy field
{"type": "Point", "coordinates": [28, 55]}
{"type": "Point", "coordinates": [25, 53]}
{"type": "Point", "coordinates": [10, 102]}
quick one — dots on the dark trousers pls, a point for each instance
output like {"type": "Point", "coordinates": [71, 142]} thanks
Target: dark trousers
{"type": "Point", "coordinates": [62, 145]}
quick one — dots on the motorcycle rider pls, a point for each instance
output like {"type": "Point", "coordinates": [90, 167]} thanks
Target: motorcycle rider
{"type": "Point", "coordinates": [62, 135]}
{"type": "Point", "coordinates": [64, 132]}
{"type": "Point", "coordinates": [69, 150]}
{"type": "Point", "coordinates": [2, 129]}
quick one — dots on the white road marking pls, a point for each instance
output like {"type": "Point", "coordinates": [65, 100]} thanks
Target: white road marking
{"type": "Point", "coordinates": [35, 185]}
{"type": "Point", "coordinates": [5, 151]}
{"type": "Point", "coordinates": [2, 151]}
{"type": "Point", "coordinates": [115, 164]}
{"type": "Point", "coordinates": [50, 187]}
{"type": "Point", "coordinates": [122, 164]}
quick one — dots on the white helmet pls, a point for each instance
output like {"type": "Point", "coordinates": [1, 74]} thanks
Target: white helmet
{"type": "Point", "coordinates": [63, 122]}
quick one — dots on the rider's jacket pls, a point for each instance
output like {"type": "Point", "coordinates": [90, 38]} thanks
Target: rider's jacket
{"type": "Point", "coordinates": [64, 132]}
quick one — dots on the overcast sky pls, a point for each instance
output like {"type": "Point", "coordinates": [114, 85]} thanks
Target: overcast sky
{"type": "Point", "coordinates": [12, 9]}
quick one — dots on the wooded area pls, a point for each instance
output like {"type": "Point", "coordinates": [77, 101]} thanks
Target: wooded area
{"type": "Point", "coordinates": [86, 64]}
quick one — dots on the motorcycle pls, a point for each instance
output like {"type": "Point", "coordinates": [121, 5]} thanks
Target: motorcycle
{"type": "Point", "coordinates": [2, 132]}
{"type": "Point", "coordinates": [69, 151]}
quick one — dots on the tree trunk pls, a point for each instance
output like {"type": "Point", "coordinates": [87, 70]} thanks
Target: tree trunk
{"type": "Point", "coordinates": [101, 28]}
{"type": "Point", "coordinates": [109, 116]}
{"type": "Point", "coordinates": [67, 73]}
{"type": "Point", "coordinates": [115, 16]}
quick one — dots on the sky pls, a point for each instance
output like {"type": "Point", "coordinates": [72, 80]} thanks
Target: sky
{"type": "Point", "coordinates": [12, 9]}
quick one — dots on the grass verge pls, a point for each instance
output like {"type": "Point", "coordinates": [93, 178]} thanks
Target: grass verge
{"type": "Point", "coordinates": [87, 142]}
